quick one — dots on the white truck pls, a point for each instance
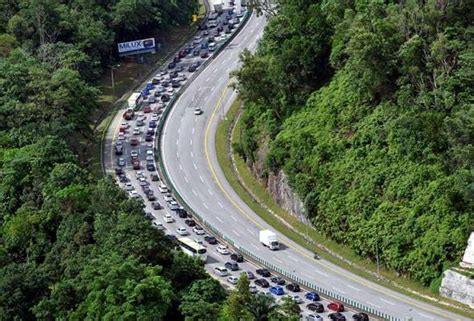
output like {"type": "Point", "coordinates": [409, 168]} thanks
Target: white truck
{"type": "Point", "coordinates": [269, 239]}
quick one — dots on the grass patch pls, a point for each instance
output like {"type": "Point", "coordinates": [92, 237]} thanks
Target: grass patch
{"type": "Point", "coordinates": [301, 233]}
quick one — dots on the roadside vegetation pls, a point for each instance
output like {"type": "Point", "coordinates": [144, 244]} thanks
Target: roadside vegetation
{"type": "Point", "coordinates": [73, 245]}
{"type": "Point", "coordinates": [366, 106]}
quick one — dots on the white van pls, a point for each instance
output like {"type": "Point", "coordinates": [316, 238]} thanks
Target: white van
{"type": "Point", "coordinates": [212, 46]}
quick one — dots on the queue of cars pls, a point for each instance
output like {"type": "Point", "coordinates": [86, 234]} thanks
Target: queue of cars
{"type": "Point", "coordinates": [142, 156]}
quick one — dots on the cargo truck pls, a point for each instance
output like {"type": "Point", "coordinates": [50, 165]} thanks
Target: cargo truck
{"type": "Point", "coordinates": [269, 239]}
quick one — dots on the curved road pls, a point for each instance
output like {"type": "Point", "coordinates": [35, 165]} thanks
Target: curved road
{"type": "Point", "coordinates": [189, 158]}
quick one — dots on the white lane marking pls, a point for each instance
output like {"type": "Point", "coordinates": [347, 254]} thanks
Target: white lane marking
{"type": "Point", "coordinates": [186, 179]}
{"type": "Point", "coordinates": [426, 315]}
{"type": "Point", "coordinates": [191, 142]}
{"type": "Point", "coordinates": [223, 62]}
{"type": "Point", "coordinates": [208, 78]}
{"type": "Point", "coordinates": [179, 130]}
{"type": "Point", "coordinates": [279, 261]}
{"type": "Point", "coordinates": [322, 273]}
{"type": "Point", "coordinates": [220, 204]}
{"type": "Point", "coordinates": [192, 99]}
{"type": "Point", "coordinates": [245, 38]}
{"type": "Point", "coordinates": [353, 287]}
{"type": "Point", "coordinates": [338, 290]}
{"type": "Point", "coordinates": [193, 130]}
{"type": "Point", "coordinates": [232, 217]}
{"type": "Point", "coordinates": [214, 71]}
{"type": "Point", "coordinates": [204, 204]}
{"type": "Point", "coordinates": [195, 119]}
{"type": "Point", "coordinates": [375, 305]}
{"type": "Point", "coordinates": [210, 192]}
{"type": "Point", "coordinates": [212, 88]}
{"type": "Point", "coordinates": [202, 179]}
{"type": "Point", "coordinates": [180, 167]}
{"type": "Point", "coordinates": [177, 155]}
{"type": "Point", "coordinates": [192, 155]}
{"type": "Point", "coordinates": [250, 231]}
{"type": "Point", "coordinates": [238, 235]}
{"type": "Point", "coordinates": [177, 142]}
{"type": "Point", "coordinates": [306, 275]}
{"type": "Point", "coordinates": [195, 166]}
{"type": "Point", "coordinates": [219, 219]}
{"type": "Point", "coordinates": [254, 246]}
{"type": "Point", "coordinates": [194, 192]}
{"type": "Point", "coordinates": [387, 301]}
{"type": "Point", "coordinates": [292, 258]}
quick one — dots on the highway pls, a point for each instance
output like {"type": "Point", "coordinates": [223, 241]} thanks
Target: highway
{"type": "Point", "coordinates": [188, 153]}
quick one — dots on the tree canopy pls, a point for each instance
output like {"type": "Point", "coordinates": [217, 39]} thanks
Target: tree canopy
{"type": "Point", "coordinates": [367, 107]}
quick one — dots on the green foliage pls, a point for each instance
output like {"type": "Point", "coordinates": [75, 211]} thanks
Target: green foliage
{"type": "Point", "coordinates": [202, 300]}
{"type": "Point", "coordinates": [72, 247]}
{"type": "Point", "coordinates": [377, 137]}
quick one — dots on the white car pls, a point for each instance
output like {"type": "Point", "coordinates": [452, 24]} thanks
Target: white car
{"type": "Point", "coordinates": [124, 124]}
{"type": "Point", "coordinates": [158, 225]}
{"type": "Point", "coordinates": [222, 249]}
{"type": "Point", "coordinates": [134, 194]}
{"type": "Point", "coordinates": [121, 136]}
{"type": "Point", "coordinates": [134, 153]}
{"type": "Point", "coordinates": [197, 111]}
{"type": "Point", "coordinates": [128, 187]}
{"type": "Point", "coordinates": [154, 118]}
{"type": "Point", "coordinates": [142, 181]}
{"type": "Point", "coordinates": [168, 198]}
{"type": "Point", "coordinates": [168, 218]}
{"type": "Point", "coordinates": [150, 158]}
{"type": "Point", "coordinates": [253, 288]}
{"type": "Point", "coordinates": [297, 299]}
{"type": "Point", "coordinates": [139, 174]}
{"type": "Point", "coordinates": [163, 188]}
{"type": "Point", "coordinates": [149, 152]}
{"type": "Point", "coordinates": [232, 279]}
{"type": "Point", "coordinates": [170, 90]}
{"type": "Point", "coordinates": [140, 115]}
{"type": "Point", "coordinates": [198, 230]}
{"type": "Point", "coordinates": [314, 317]}
{"type": "Point", "coordinates": [182, 231]}
{"type": "Point", "coordinates": [149, 146]}
{"type": "Point", "coordinates": [137, 131]}
{"type": "Point", "coordinates": [220, 271]}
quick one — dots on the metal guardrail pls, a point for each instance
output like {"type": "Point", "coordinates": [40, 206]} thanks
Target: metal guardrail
{"type": "Point", "coordinates": [326, 293]}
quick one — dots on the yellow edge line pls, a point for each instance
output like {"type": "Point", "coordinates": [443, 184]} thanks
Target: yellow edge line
{"type": "Point", "coordinates": [219, 184]}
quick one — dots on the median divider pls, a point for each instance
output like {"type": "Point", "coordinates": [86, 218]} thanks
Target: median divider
{"type": "Point", "coordinates": [324, 292]}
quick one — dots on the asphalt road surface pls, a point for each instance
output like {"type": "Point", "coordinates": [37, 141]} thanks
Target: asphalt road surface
{"type": "Point", "coordinates": [190, 160]}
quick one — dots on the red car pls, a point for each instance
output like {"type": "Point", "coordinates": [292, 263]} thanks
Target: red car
{"type": "Point", "coordinates": [136, 164]}
{"type": "Point", "coordinates": [147, 109]}
{"type": "Point", "coordinates": [336, 306]}
{"type": "Point", "coordinates": [134, 141]}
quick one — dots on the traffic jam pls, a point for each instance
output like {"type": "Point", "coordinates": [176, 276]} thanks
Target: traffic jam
{"type": "Point", "coordinates": [134, 154]}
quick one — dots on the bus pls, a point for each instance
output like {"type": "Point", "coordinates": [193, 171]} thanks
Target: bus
{"type": "Point", "coordinates": [192, 248]}
{"type": "Point", "coordinates": [134, 100]}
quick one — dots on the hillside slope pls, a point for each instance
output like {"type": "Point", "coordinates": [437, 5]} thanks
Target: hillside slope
{"type": "Point", "coordinates": [367, 107]}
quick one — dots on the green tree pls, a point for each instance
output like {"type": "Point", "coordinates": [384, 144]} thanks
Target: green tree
{"type": "Point", "coordinates": [202, 300]}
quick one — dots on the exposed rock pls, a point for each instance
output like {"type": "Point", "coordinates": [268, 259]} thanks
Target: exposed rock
{"type": "Point", "coordinates": [458, 287]}
{"type": "Point", "coordinates": [278, 187]}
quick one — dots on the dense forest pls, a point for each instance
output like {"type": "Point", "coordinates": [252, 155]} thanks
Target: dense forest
{"type": "Point", "coordinates": [366, 106]}
{"type": "Point", "coordinates": [74, 246]}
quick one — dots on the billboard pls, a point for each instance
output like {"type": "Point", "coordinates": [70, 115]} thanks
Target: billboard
{"type": "Point", "coordinates": [136, 46]}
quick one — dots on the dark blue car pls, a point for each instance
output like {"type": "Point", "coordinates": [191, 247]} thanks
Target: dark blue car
{"type": "Point", "coordinates": [312, 296]}
{"type": "Point", "coordinates": [277, 290]}
{"type": "Point", "coordinates": [152, 124]}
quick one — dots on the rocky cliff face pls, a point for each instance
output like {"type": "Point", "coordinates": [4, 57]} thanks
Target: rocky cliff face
{"type": "Point", "coordinates": [277, 185]}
